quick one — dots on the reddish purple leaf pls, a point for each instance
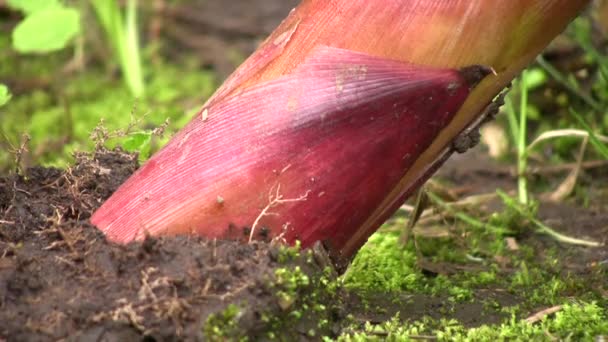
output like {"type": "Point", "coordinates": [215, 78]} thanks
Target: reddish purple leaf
{"type": "Point", "coordinates": [310, 156]}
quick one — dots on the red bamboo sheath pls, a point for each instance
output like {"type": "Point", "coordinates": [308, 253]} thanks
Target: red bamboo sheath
{"type": "Point", "coordinates": [327, 128]}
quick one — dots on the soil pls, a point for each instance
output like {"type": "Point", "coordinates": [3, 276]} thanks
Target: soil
{"type": "Point", "coordinates": [59, 277]}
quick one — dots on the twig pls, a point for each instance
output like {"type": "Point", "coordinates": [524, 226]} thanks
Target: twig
{"type": "Point", "coordinates": [560, 133]}
{"type": "Point", "coordinates": [65, 261]}
{"type": "Point", "coordinates": [542, 227]}
{"type": "Point", "coordinates": [421, 204]}
{"type": "Point", "coordinates": [537, 317]}
{"type": "Point", "coordinates": [567, 186]}
{"type": "Point", "coordinates": [17, 152]}
{"type": "Point", "coordinates": [552, 169]}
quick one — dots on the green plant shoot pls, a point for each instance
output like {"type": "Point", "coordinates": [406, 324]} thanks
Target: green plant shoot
{"type": "Point", "coordinates": [123, 36]}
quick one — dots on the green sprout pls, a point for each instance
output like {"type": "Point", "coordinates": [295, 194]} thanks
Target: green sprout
{"type": "Point", "coordinates": [123, 36]}
{"type": "Point", "coordinates": [518, 127]}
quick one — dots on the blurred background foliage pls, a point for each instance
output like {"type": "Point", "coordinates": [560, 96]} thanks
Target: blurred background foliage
{"type": "Point", "coordinates": [131, 64]}
{"type": "Point", "coordinates": [137, 64]}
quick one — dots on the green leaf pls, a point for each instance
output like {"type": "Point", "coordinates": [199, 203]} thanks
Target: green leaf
{"type": "Point", "coordinates": [131, 63]}
{"type": "Point", "coordinates": [47, 30]}
{"type": "Point", "coordinates": [5, 95]}
{"type": "Point", "coordinates": [136, 141]}
{"type": "Point", "coordinates": [32, 6]}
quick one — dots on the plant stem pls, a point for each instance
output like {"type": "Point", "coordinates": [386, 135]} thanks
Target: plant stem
{"type": "Point", "coordinates": [122, 34]}
{"type": "Point", "coordinates": [510, 202]}
{"type": "Point", "coordinates": [132, 59]}
{"type": "Point", "coordinates": [512, 119]}
{"type": "Point", "coordinates": [522, 155]}
{"type": "Point", "coordinates": [595, 141]}
{"type": "Point", "coordinates": [571, 86]}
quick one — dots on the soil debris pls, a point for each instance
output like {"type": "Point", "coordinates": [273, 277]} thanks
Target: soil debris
{"type": "Point", "coordinates": [60, 278]}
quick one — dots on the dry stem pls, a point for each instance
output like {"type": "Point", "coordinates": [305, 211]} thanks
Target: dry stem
{"type": "Point", "coordinates": [537, 317]}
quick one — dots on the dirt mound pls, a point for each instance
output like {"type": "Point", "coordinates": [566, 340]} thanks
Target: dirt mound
{"type": "Point", "coordinates": [60, 278]}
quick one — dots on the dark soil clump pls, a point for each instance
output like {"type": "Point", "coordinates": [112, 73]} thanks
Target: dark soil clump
{"type": "Point", "coordinates": [42, 197]}
{"type": "Point", "coordinates": [59, 277]}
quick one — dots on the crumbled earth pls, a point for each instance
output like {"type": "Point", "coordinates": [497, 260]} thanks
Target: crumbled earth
{"type": "Point", "coordinates": [60, 278]}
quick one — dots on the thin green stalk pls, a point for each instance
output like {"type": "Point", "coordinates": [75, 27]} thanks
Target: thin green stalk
{"type": "Point", "coordinates": [131, 61]}
{"type": "Point", "coordinates": [599, 146]}
{"type": "Point", "coordinates": [512, 118]}
{"type": "Point", "coordinates": [123, 37]}
{"type": "Point", "coordinates": [522, 155]}
{"type": "Point", "coordinates": [510, 202]}
{"type": "Point", "coordinates": [571, 86]}
{"type": "Point", "coordinates": [473, 222]}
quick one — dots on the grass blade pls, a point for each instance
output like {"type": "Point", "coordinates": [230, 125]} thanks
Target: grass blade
{"type": "Point", "coordinates": [593, 138]}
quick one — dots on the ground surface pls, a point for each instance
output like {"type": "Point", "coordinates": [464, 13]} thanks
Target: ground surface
{"type": "Point", "coordinates": [59, 278]}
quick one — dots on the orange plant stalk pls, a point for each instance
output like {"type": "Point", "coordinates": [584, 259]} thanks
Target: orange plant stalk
{"type": "Point", "coordinates": [341, 114]}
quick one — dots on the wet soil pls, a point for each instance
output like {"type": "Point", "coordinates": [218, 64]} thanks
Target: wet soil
{"type": "Point", "coordinates": [59, 277]}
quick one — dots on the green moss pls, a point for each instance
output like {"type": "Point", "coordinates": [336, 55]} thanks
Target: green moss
{"type": "Point", "coordinates": [538, 280]}
{"type": "Point", "coordinates": [224, 326]}
{"type": "Point", "coordinates": [288, 282]}
{"type": "Point", "coordinates": [289, 253]}
{"type": "Point", "coordinates": [575, 322]}
{"type": "Point", "coordinates": [328, 282]}
{"type": "Point", "coordinates": [305, 298]}
{"type": "Point", "coordinates": [383, 265]}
